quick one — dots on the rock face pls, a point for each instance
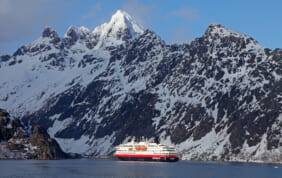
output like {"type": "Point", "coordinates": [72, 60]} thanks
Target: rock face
{"type": "Point", "coordinates": [48, 148]}
{"type": "Point", "coordinates": [20, 142]}
{"type": "Point", "coordinates": [217, 98]}
{"type": "Point", "coordinates": [8, 126]}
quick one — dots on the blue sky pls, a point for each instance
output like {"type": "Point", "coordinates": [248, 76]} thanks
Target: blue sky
{"type": "Point", "coordinates": [176, 21]}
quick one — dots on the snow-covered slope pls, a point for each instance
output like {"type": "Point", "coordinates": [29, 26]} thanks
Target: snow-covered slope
{"type": "Point", "coordinates": [217, 98]}
{"type": "Point", "coordinates": [50, 64]}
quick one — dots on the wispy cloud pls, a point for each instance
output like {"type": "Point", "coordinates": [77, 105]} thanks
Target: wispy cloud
{"type": "Point", "coordinates": [4, 7]}
{"type": "Point", "coordinates": [17, 16]}
{"type": "Point", "coordinates": [181, 35]}
{"type": "Point", "coordinates": [96, 8]}
{"type": "Point", "coordinates": [21, 19]}
{"type": "Point", "coordinates": [187, 13]}
{"type": "Point", "coordinates": [142, 13]}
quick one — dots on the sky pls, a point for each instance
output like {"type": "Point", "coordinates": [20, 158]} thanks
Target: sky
{"type": "Point", "coordinates": [175, 21]}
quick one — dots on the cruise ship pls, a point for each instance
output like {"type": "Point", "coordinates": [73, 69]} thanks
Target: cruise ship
{"type": "Point", "coordinates": [146, 151]}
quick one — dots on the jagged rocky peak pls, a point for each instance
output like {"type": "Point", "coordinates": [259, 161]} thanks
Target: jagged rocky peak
{"type": "Point", "coordinates": [120, 28]}
{"type": "Point", "coordinates": [220, 30]}
{"type": "Point", "coordinates": [148, 34]}
{"type": "Point", "coordinates": [81, 34]}
{"type": "Point", "coordinates": [148, 38]}
{"type": "Point", "coordinates": [220, 35]}
{"type": "Point", "coordinates": [72, 33]}
{"type": "Point", "coordinates": [83, 31]}
{"type": "Point", "coordinates": [48, 32]}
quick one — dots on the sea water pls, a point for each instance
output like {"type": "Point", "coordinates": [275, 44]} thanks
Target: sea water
{"type": "Point", "coordinates": [115, 168]}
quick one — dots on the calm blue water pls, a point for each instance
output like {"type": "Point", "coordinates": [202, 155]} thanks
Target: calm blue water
{"type": "Point", "coordinates": [114, 168]}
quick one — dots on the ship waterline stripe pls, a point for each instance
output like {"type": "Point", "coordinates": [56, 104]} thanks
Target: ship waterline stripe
{"type": "Point", "coordinates": [147, 156]}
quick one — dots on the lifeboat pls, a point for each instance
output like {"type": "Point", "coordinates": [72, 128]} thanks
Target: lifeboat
{"type": "Point", "coordinates": [140, 148]}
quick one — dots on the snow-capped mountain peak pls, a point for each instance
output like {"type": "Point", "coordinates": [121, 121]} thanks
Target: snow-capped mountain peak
{"type": "Point", "coordinates": [120, 28]}
{"type": "Point", "coordinates": [122, 19]}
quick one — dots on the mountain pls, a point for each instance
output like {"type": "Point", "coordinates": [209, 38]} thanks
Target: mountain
{"type": "Point", "coordinates": [217, 98]}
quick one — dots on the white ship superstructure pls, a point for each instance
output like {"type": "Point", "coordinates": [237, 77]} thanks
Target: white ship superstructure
{"type": "Point", "coordinates": [146, 151]}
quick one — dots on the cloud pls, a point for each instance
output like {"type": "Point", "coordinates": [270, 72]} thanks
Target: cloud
{"type": "Point", "coordinates": [18, 17]}
{"type": "Point", "coordinates": [97, 7]}
{"type": "Point", "coordinates": [21, 19]}
{"type": "Point", "coordinates": [181, 35]}
{"type": "Point", "coordinates": [4, 7]}
{"type": "Point", "coordinates": [182, 32]}
{"type": "Point", "coordinates": [142, 13]}
{"type": "Point", "coordinates": [187, 13]}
